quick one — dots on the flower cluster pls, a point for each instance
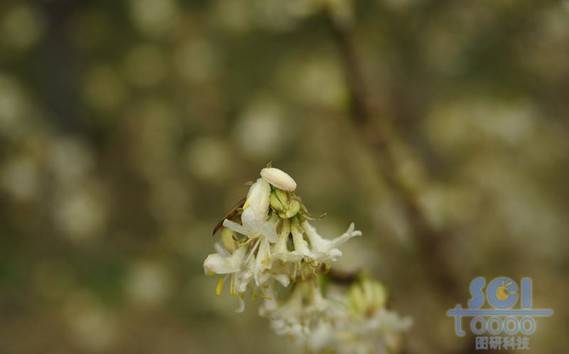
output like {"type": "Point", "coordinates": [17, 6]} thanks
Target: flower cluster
{"type": "Point", "coordinates": [355, 321]}
{"type": "Point", "coordinates": [361, 324]}
{"type": "Point", "coordinates": [269, 240]}
{"type": "Point", "coordinates": [274, 241]}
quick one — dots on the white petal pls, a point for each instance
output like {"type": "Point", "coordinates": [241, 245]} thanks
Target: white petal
{"type": "Point", "coordinates": [346, 235]}
{"type": "Point", "coordinates": [220, 249]}
{"type": "Point", "coordinates": [269, 230]}
{"type": "Point", "coordinates": [321, 244]}
{"type": "Point", "coordinates": [331, 255]}
{"type": "Point", "coordinates": [300, 245]}
{"type": "Point", "coordinates": [256, 207]}
{"type": "Point", "coordinates": [391, 321]}
{"type": "Point", "coordinates": [318, 243]}
{"type": "Point", "coordinates": [263, 262]}
{"type": "Point", "coordinates": [289, 257]}
{"type": "Point", "coordinates": [279, 179]}
{"type": "Point", "coordinates": [233, 226]}
{"type": "Point", "coordinates": [219, 264]}
{"type": "Point", "coordinates": [263, 259]}
{"type": "Point", "coordinates": [281, 243]}
{"type": "Point", "coordinates": [241, 307]}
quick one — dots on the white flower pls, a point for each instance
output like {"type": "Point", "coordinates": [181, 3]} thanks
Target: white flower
{"type": "Point", "coordinates": [255, 211]}
{"type": "Point", "coordinates": [252, 259]}
{"type": "Point", "coordinates": [264, 268]}
{"type": "Point", "coordinates": [255, 255]}
{"type": "Point", "coordinates": [286, 319]}
{"type": "Point", "coordinates": [324, 249]}
{"type": "Point", "coordinates": [367, 327]}
{"type": "Point", "coordinates": [323, 336]}
{"type": "Point", "coordinates": [379, 332]}
{"type": "Point", "coordinates": [223, 262]}
{"type": "Point", "coordinates": [352, 322]}
{"type": "Point", "coordinates": [301, 247]}
{"type": "Point", "coordinates": [234, 266]}
{"type": "Point", "coordinates": [280, 248]}
{"type": "Point", "coordinates": [304, 308]}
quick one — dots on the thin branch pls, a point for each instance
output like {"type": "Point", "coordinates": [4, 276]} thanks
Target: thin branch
{"type": "Point", "coordinates": [380, 135]}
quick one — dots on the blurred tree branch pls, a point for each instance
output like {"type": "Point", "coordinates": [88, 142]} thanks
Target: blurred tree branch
{"type": "Point", "coordinates": [382, 138]}
{"type": "Point", "coordinates": [380, 134]}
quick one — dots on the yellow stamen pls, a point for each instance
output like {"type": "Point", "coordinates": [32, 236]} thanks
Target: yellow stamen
{"type": "Point", "coordinates": [219, 287]}
{"type": "Point", "coordinates": [232, 290]}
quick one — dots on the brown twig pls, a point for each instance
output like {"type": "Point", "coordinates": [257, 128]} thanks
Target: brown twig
{"type": "Point", "coordinates": [380, 135]}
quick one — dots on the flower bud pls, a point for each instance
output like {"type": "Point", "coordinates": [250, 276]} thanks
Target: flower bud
{"type": "Point", "coordinates": [278, 178]}
{"type": "Point", "coordinates": [367, 297]}
{"type": "Point", "coordinates": [279, 200]}
{"type": "Point", "coordinates": [293, 209]}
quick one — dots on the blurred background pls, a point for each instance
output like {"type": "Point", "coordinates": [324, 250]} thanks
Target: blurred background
{"type": "Point", "coordinates": [129, 128]}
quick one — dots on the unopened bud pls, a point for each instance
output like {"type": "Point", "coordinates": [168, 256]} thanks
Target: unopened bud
{"type": "Point", "coordinates": [279, 179]}
{"type": "Point", "coordinates": [279, 200]}
{"type": "Point", "coordinates": [293, 209]}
